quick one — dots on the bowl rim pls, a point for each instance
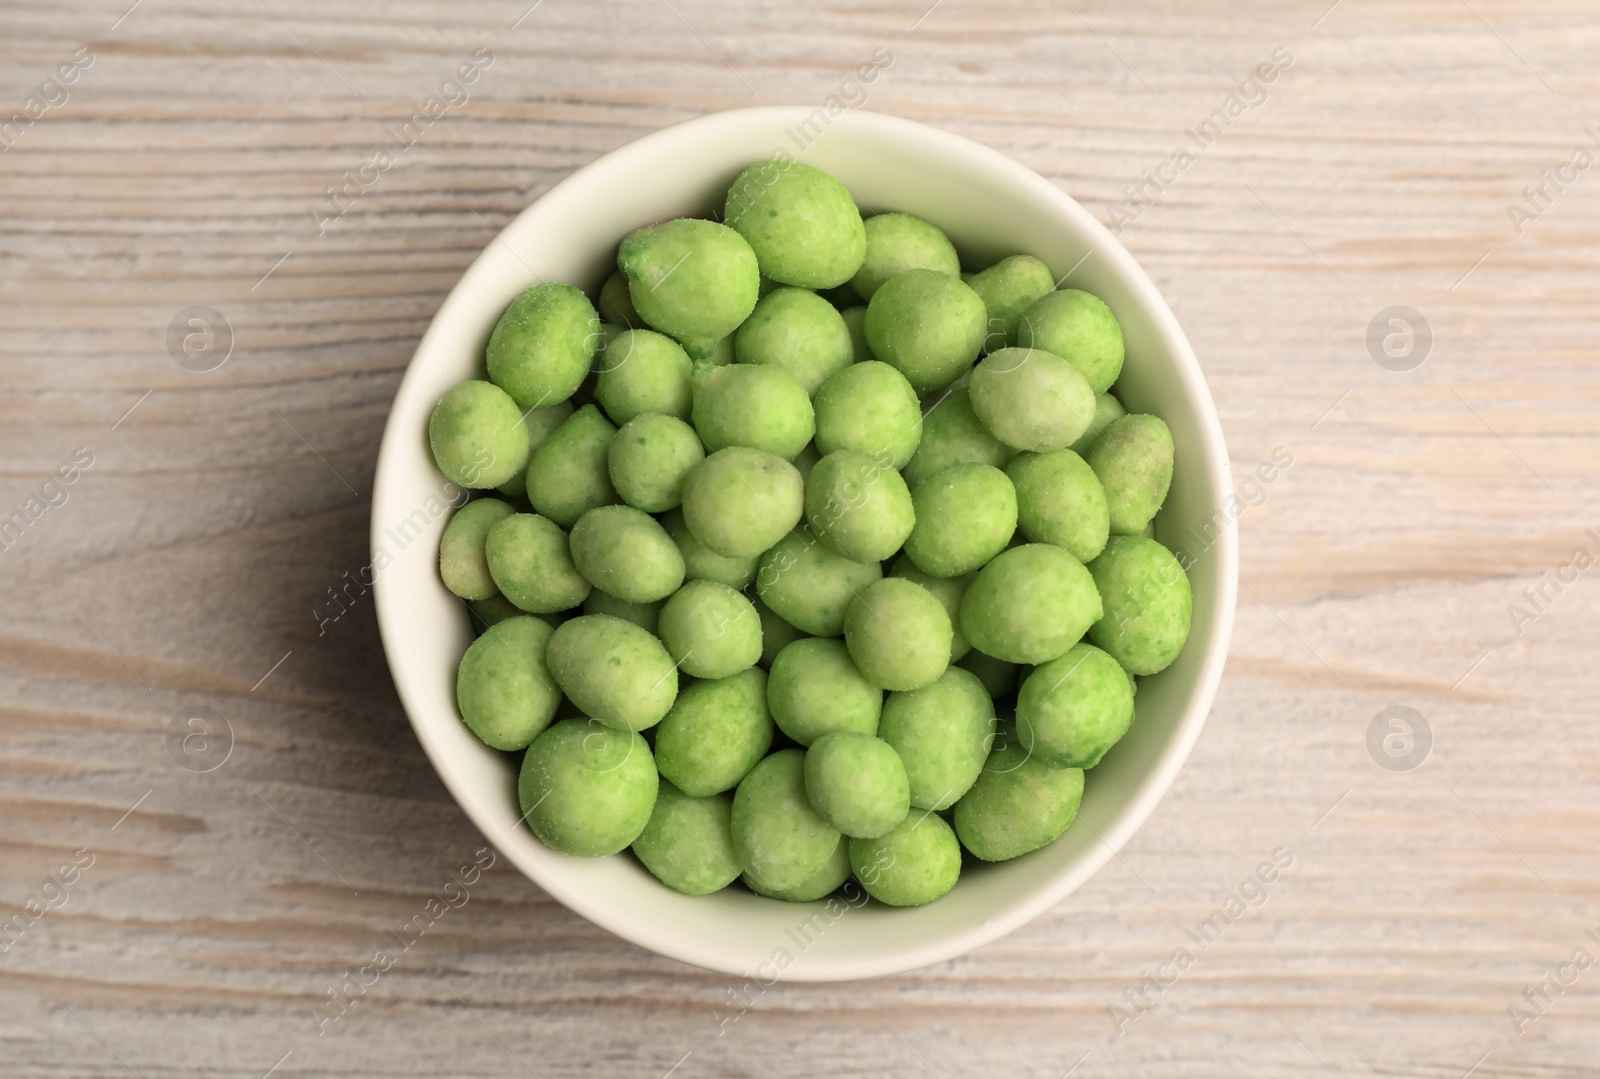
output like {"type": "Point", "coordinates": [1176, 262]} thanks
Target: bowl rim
{"type": "Point", "coordinates": [1216, 634]}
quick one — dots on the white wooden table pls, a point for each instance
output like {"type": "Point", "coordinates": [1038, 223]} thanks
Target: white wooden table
{"type": "Point", "coordinates": [208, 913]}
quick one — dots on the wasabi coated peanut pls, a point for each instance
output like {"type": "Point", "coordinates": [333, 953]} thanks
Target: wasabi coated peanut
{"type": "Point", "coordinates": [649, 459]}
{"type": "Point", "coordinates": [858, 507]}
{"type": "Point", "coordinates": [823, 882]}
{"type": "Point", "coordinates": [613, 671]}
{"type": "Point", "coordinates": [740, 501]}
{"type": "Point", "coordinates": [1076, 707]}
{"type": "Point", "coordinates": [1148, 604]}
{"type": "Point", "coordinates": [1007, 288]}
{"type": "Point", "coordinates": [715, 733]}
{"type": "Point", "coordinates": [477, 435]}
{"type": "Point", "coordinates": [1133, 459]}
{"type": "Point", "coordinates": [615, 305]}
{"type": "Point", "coordinates": [899, 634]}
{"type": "Point", "coordinates": [780, 839]}
{"type": "Point", "coordinates": [855, 319]}
{"type": "Point", "coordinates": [915, 864]}
{"type": "Point", "coordinates": [625, 552]}
{"type": "Point", "coordinates": [776, 634]}
{"type": "Point", "coordinates": [799, 332]}
{"type": "Point", "coordinates": [643, 615]}
{"type": "Point", "coordinates": [1060, 501]}
{"type": "Point", "coordinates": [1106, 409]}
{"type": "Point", "coordinates": [496, 609]}
{"type": "Point", "coordinates": [643, 371]}
{"type": "Point", "coordinates": [568, 475]}
{"type": "Point", "coordinates": [948, 591]}
{"type": "Point", "coordinates": [928, 325]}
{"type": "Point", "coordinates": [999, 678]}
{"type": "Point", "coordinates": [1030, 399]}
{"type": "Point", "coordinates": [688, 843]}
{"type": "Point", "coordinates": [761, 407]}
{"type": "Point", "coordinates": [1018, 804]}
{"type": "Point", "coordinates": [869, 407]}
{"type": "Point", "coordinates": [587, 790]}
{"type": "Point", "coordinates": [965, 516]}
{"type": "Point", "coordinates": [857, 783]}
{"type": "Point", "coordinates": [897, 243]}
{"type": "Point", "coordinates": [1080, 329]}
{"type": "Point", "coordinates": [541, 423]}
{"type": "Point", "coordinates": [815, 688]}
{"type": "Point", "coordinates": [702, 563]}
{"type": "Point", "coordinates": [692, 280]}
{"type": "Point", "coordinates": [1030, 604]}
{"type": "Point", "coordinates": [462, 565]}
{"type": "Point", "coordinates": [802, 223]}
{"type": "Point", "coordinates": [952, 435]}
{"type": "Point", "coordinates": [544, 344]}
{"type": "Point", "coordinates": [531, 563]}
{"type": "Point", "coordinates": [942, 732]}
{"type": "Point", "coordinates": [710, 630]}
{"type": "Point", "coordinates": [809, 586]}
{"type": "Point", "coordinates": [503, 688]}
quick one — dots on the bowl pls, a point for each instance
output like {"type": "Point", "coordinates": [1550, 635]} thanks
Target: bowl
{"type": "Point", "coordinates": [991, 207]}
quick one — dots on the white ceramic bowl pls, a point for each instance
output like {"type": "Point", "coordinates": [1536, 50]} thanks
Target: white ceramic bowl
{"type": "Point", "coordinates": [991, 207]}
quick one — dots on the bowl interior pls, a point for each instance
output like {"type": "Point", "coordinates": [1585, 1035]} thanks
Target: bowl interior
{"type": "Point", "coordinates": [991, 207]}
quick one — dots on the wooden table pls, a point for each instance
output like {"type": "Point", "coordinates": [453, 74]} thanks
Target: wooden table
{"type": "Point", "coordinates": [208, 912]}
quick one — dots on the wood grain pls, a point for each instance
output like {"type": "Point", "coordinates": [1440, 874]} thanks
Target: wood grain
{"type": "Point", "coordinates": [184, 564]}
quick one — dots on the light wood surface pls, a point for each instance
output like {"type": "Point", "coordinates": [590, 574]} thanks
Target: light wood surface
{"type": "Point", "coordinates": [183, 567]}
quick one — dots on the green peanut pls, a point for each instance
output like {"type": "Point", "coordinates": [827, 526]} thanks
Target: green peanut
{"type": "Point", "coordinates": [688, 842]}
{"type": "Point", "coordinates": [896, 243]}
{"type": "Point", "coordinates": [1030, 604]}
{"type": "Point", "coordinates": [477, 435]}
{"type": "Point", "coordinates": [613, 671]}
{"type": "Point", "coordinates": [692, 280]}
{"type": "Point", "coordinates": [1133, 458]}
{"type": "Point", "coordinates": [531, 563]}
{"type": "Point", "coordinates": [462, 565]}
{"type": "Point", "coordinates": [1080, 329]}
{"type": "Point", "coordinates": [816, 688]}
{"type": "Point", "coordinates": [802, 223]}
{"type": "Point", "coordinates": [809, 586]}
{"type": "Point", "coordinates": [625, 552]}
{"type": "Point", "coordinates": [799, 332]}
{"type": "Point", "coordinates": [1031, 399]}
{"type": "Point", "coordinates": [1007, 288]}
{"type": "Point", "coordinates": [740, 501]}
{"type": "Point", "coordinates": [649, 460]}
{"type": "Point", "coordinates": [503, 689]}
{"type": "Point", "coordinates": [568, 475]}
{"type": "Point", "coordinates": [869, 407]}
{"type": "Point", "coordinates": [1060, 501]}
{"type": "Point", "coordinates": [1148, 604]}
{"type": "Point", "coordinates": [643, 371]}
{"type": "Point", "coordinates": [898, 634]}
{"type": "Point", "coordinates": [587, 790]}
{"type": "Point", "coordinates": [928, 325]}
{"type": "Point", "coordinates": [710, 630]}
{"type": "Point", "coordinates": [716, 731]}
{"type": "Point", "coordinates": [543, 346]}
